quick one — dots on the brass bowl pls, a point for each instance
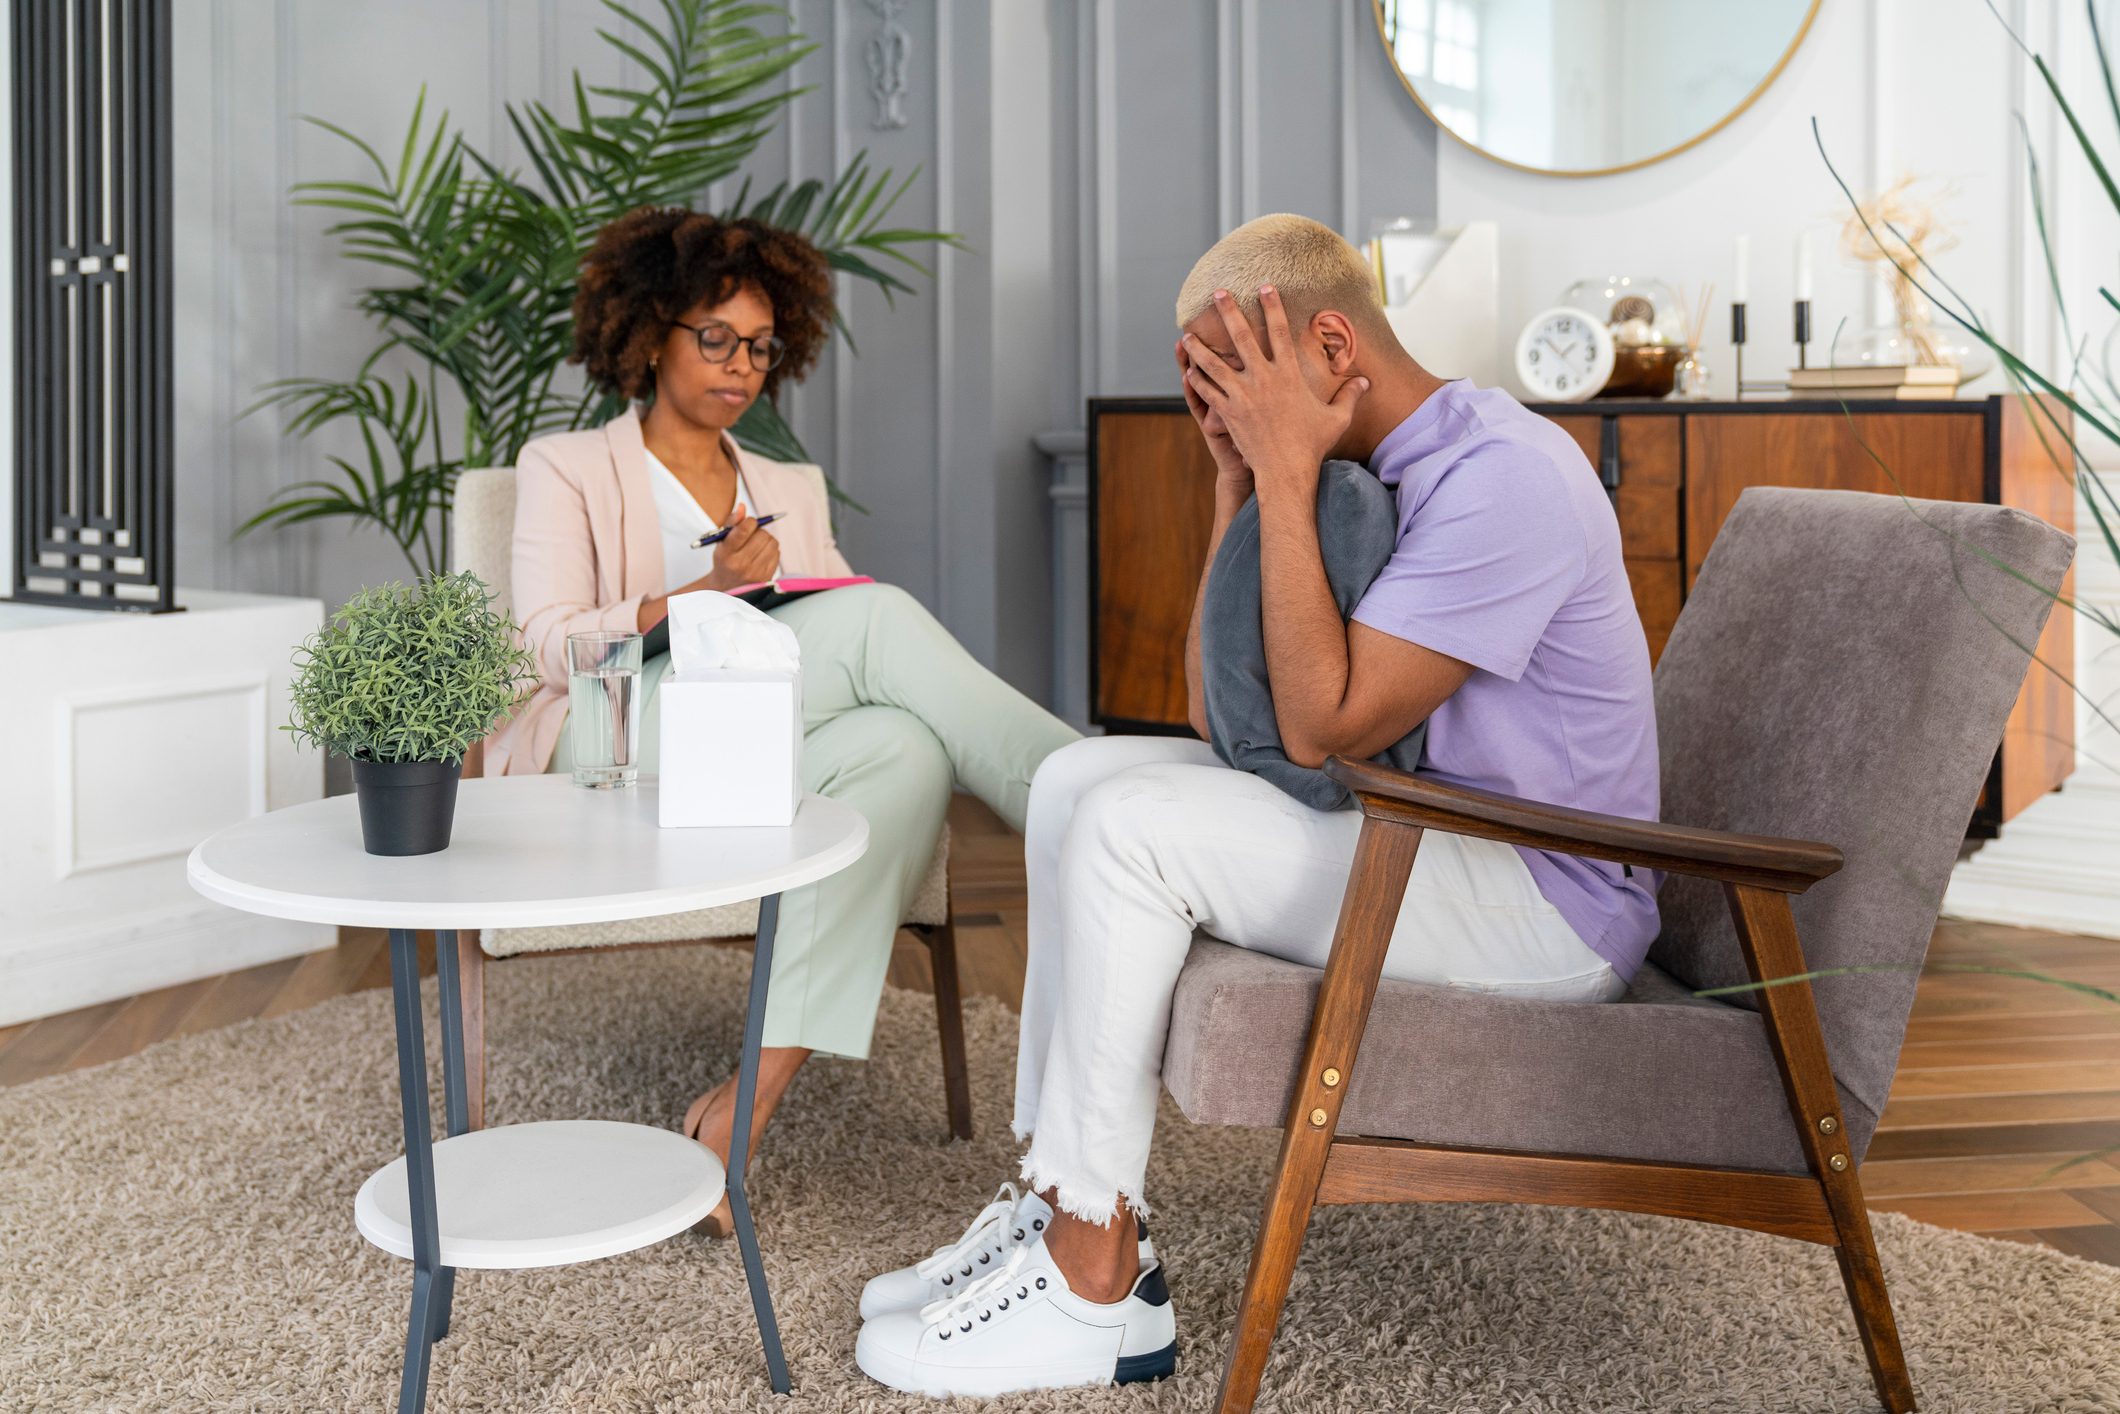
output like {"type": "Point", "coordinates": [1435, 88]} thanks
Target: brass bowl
{"type": "Point", "coordinates": [1643, 371]}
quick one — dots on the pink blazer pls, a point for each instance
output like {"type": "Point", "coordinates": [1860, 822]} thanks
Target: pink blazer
{"type": "Point", "coordinates": [588, 549]}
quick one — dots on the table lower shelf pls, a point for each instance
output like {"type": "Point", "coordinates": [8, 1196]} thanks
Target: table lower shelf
{"type": "Point", "coordinates": [548, 1193]}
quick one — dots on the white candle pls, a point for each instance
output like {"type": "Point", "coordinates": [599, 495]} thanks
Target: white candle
{"type": "Point", "coordinates": [1803, 265]}
{"type": "Point", "coordinates": [1744, 263]}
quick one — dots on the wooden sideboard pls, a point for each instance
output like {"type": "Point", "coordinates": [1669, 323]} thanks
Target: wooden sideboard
{"type": "Point", "coordinates": [1673, 470]}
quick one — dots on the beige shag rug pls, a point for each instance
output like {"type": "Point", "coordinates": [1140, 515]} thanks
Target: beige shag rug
{"type": "Point", "coordinates": [176, 1233]}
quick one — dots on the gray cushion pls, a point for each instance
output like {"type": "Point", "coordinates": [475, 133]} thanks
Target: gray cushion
{"type": "Point", "coordinates": [1841, 672]}
{"type": "Point", "coordinates": [1357, 528]}
{"type": "Point", "coordinates": [1449, 1066]}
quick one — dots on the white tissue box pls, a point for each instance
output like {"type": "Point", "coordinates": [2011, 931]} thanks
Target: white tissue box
{"type": "Point", "coordinates": [731, 747]}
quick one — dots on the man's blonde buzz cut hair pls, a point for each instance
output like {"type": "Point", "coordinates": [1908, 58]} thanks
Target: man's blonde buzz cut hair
{"type": "Point", "coordinates": [1311, 264]}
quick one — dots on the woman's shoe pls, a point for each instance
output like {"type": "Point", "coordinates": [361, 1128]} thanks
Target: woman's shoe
{"type": "Point", "coordinates": [1002, 1226]}
{"type": "Point", "coordinates": [721, 1223]}
{"type": "Point", "coordinates": [1022, 1328]}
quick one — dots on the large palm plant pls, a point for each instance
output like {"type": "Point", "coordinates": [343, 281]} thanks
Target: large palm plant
{"type": "Point", "coordinates": [474, 313]}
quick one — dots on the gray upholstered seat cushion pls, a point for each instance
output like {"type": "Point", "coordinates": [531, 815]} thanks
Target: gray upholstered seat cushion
{"type": "Point", "coordinates": [1443, 1065]}
{"type": "Point", "coordinates": [1358, 524]}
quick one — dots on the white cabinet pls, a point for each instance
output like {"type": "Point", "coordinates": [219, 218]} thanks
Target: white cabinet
{"type": "Point", "coordinates": [125, 739]}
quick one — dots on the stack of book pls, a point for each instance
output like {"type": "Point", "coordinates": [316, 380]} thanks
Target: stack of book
{"type": "Point", "coordinates": [1906, 382]}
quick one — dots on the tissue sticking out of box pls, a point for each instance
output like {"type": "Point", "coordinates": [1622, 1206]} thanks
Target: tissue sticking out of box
{"type": "Point", "coordinates": [709, 629]}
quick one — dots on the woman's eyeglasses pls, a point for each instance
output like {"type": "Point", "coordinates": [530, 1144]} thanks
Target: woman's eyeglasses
{"type": "Point", "coordinates": [718, 344]}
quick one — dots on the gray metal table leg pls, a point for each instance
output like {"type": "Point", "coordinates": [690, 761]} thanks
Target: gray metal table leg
{"type": "Point", "coordinates": [456, 1101]}
{"type": "Point", "coordinates": [754, 1025]}
{"type": "Point", "coordinates": [419, 1169]}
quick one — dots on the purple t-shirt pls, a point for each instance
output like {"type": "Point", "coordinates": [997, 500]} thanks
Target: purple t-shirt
{"type": "Point", "coordinates": [1508, 558]}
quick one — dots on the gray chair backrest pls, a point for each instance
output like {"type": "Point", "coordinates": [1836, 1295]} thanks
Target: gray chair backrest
{"type": "Point", "coordinates": [1842, 672]}
{"type": "Point", "coordinates": [482, 530]}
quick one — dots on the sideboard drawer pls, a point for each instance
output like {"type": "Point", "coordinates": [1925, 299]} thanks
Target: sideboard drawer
{"type": "Point", "coordinates": [1659, 593]}
{"type": "Point", "coordinates": [1648, 521]}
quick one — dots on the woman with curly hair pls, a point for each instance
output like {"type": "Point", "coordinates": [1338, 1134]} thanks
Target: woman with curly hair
{"type": "Point", "coordinates": [693, 318]}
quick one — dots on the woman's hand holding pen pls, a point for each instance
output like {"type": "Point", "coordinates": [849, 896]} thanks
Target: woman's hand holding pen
{"type": "Point", "coordinates": [746, 555]}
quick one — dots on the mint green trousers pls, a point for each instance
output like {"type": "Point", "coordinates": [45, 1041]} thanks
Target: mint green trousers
{"type": "Point", "coordinates": [895, 714]}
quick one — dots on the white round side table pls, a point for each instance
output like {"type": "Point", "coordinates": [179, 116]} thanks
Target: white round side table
{"type": "Point", "coordinates": [528, 851]}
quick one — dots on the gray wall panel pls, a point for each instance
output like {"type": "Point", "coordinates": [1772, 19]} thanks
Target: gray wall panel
{"type": "Point", "coordinates": [1087, 150]}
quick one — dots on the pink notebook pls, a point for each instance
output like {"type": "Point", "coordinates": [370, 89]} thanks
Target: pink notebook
{"type": "Point", "coordinates": [796, 584]}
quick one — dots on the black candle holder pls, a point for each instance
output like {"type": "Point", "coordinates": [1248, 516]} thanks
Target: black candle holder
{"type": "Point", "coordinates": [1737, 347]}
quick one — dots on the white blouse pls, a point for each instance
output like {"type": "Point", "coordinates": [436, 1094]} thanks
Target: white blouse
{"type": "Point", "coordinates": [684, 520]}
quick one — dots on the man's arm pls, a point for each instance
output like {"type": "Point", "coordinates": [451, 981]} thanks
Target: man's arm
{"type": "Point", "coordinates": [1339, 688]}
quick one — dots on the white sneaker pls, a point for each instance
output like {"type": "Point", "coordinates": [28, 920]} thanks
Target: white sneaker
{"type": "Point", "coordinates": [1002, 1226]}
{"type": "Point", "coordinates": [1021, 1328]}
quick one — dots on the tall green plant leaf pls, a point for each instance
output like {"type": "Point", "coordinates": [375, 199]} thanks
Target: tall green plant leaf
{"type": "Point", "coordinates": [476, 263]}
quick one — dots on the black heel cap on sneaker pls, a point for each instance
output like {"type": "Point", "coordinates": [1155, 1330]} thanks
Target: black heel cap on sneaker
{"type": "Point", "coordinates": [1151, 1288]}
{"type": "Point", "coordinates": [1156, 1365]}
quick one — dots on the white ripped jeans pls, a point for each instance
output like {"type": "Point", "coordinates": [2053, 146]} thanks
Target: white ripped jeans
{"type": "Point", "coordinates": [1132, 844]}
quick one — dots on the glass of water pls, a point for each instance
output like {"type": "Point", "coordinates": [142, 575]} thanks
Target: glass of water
{"type": "Point", "coordinates": [603, 708]}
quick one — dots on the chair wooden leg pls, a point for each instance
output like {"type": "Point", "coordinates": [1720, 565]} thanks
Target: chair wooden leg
{"type": "Point", "coordinates": [941, 940]}
{"type": "Point", "coordinates": [1376, 886]}
{"type": "Point", "coordinates": [1273, 1263]}
{"type": "Point", "coordinates": [1766, 932]}
{"type": "Point", "coordinates": [1863, 1276]}
{"type": "Point", "coordinates": [471, 971]}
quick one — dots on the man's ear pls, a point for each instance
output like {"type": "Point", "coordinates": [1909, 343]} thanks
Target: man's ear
{"type": "Point", "coordinates": [1336, 336]}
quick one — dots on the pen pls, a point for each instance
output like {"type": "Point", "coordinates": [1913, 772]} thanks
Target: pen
{"type": "Point", "coordinates": [717, 536]}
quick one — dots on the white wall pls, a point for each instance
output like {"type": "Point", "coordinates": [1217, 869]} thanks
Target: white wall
{"type": "Point", "coordinates": [1922, 87]}
{"type": "Point", "coordinates": [1897, 86]}
{"type": "Point", "coordinates": [2058, 864]}
{"type": "Point", "coordinates": [1173, 122]}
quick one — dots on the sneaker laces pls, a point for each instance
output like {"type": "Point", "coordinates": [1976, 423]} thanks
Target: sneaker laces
{"type": "Point", "coordinates": [959, 1254]}
{"type": "Point", "coordinates": [1005, 1283]}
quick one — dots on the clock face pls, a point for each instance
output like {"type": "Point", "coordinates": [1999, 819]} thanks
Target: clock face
{"type": "Point", "coordinates": [1564, 355]}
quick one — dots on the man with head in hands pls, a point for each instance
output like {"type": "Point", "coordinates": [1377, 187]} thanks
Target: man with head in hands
{"type": "Point", "coordinates": [1502, 619]}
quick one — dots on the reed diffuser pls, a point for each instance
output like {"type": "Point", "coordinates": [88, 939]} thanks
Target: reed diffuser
{"type": "Point", "coordinates": [1692, 383]}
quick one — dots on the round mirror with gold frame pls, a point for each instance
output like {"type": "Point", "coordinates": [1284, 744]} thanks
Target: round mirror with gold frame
{"type": "Point", "coordinates": [1581, 88]}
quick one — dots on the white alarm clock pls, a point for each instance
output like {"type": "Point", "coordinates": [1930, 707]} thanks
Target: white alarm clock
{"type": "Point", "coordinates": [1564, 355]}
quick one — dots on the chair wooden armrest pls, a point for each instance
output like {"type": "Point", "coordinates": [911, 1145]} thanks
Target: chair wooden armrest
{"type": "Point", "coordinates": [1762, 861]}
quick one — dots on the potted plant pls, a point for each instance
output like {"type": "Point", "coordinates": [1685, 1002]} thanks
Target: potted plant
{"type": "Point", "coordinates": [400, 682]}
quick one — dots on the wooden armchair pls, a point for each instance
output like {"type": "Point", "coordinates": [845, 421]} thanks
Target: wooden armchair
{"type": "Point", "coordinates": [1843, 671]}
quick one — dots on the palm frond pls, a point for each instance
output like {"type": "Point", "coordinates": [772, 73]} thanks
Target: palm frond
{"type": "Point", "coordinates": [477, 262]}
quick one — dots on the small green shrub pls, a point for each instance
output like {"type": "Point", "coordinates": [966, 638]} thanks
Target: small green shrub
{"type": "Point", "coordinates": [405, 673]}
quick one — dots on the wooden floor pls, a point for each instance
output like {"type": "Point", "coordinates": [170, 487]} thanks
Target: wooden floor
{"type": "Point", "coordinates": [2001, 1082]}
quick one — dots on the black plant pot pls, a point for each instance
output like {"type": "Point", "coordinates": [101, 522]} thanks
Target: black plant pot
{"type": "Point", "coordinates": [407, 807]}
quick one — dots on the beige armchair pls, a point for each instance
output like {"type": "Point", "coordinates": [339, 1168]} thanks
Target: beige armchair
{"type": "Point", "coordinates": [481, 535]}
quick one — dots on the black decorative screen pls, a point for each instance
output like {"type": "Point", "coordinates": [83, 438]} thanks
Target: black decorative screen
{"type": "Point", "coordinates": [92, 303]}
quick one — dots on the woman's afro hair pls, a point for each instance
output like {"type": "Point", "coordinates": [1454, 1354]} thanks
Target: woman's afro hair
{"type": "Point", "coordinates": [652, 264]}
